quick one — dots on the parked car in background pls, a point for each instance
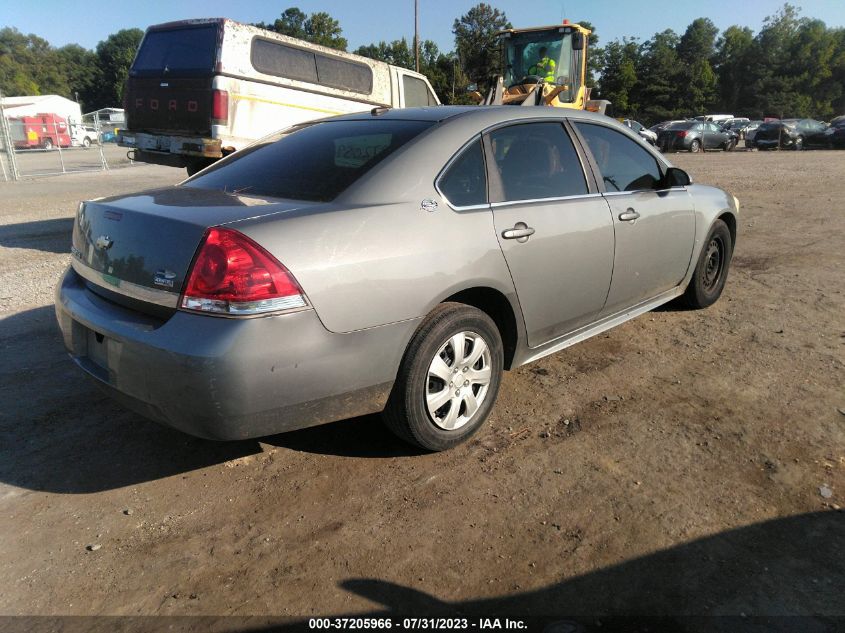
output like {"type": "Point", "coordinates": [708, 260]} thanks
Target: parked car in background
{"type": "Point", "coordinates": [695, 136]}
{"type": "Point", "coordinates": [789, 134]}
{"type": "Point", "coordinates": [817, 134]}
{"type": "Point", "coordinates": [739, 126]}
{"type": "Point", "coordinates": [397, 260]}
{"type": "Point", "coordinates": [640, 129]}
{"type": "Point", "coordinates": [733, 123]}
{"type": "Point", "coordinates": [749, 131]}
{"type": "Point", "coordinates": [837, 134]}
{"type": "Point", "coordinates": [715, 118]}
{"type": "Point", "coordinates": [82, 135]}
{"type": "Point", "coordinates": [663, 124]}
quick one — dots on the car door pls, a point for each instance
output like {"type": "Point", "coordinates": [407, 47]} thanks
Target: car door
{"type": "Point", "coordinates": [553, 225]}
{"type": "Point", "coordinates": [654, 226]}
{"type": "Point", "coordinates": [713, 136]}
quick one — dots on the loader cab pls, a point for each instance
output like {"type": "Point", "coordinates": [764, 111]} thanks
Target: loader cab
{"type": "Point", "coordinates": [564, 45]}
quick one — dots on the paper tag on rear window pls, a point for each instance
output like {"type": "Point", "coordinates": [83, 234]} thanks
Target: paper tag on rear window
{"type": "Point", "coordinates": [355, 151]}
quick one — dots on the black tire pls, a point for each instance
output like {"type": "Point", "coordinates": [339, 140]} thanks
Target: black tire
{"type": "Point", "coordinates": [695, 146]}
{"type": "Point", "coordinates": [86, 142]}
{"type": "Point", "coordinates": [407, 413]}
{"type": "Point", "coordinates": [48, 143]}
{"type": "Point", "coordinates": [798, 144]}
{"type": "Point", "coordinates": [711, 271]}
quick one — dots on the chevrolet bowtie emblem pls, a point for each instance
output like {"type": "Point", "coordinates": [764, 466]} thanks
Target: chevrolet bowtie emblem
{"type": "Point", "coordinates": [104, 242]}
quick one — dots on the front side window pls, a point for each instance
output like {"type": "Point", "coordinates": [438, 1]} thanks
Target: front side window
{"type": "Point", "coordinates": [464, 183]}
{"type": "Point", "coordinates": [624, 164]}
{"type": "Point", "coordinates": [316, 163]}
{"type": "Point", "coordinates": [537, 160]}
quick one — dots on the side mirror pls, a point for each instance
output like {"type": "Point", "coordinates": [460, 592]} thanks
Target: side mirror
{"type": "Point", "coordinates": [577, 41]}
{"type": "Point", "coordinates": [676, 178]}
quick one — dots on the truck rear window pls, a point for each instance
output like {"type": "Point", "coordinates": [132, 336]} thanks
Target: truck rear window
{"type": "Point", "coordinates": [316, 163]}
{"type": "Point", "coordinates": [172, 51]}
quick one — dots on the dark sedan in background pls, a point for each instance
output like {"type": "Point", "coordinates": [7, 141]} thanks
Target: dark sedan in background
{"type": "Point", "coordinates": [695, 136]}
{"type": "Point", "coordinates": [795, 134]}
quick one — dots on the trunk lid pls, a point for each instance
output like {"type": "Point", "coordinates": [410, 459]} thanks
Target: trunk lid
{"type": "Point", "coordinates": [139, 248]}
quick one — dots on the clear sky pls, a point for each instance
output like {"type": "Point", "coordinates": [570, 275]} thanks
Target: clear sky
{"type": "Point", "coordinates": [363, 22]}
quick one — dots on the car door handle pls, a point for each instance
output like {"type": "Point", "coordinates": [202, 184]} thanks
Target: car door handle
{"type": "Point", "coordinates": [520, 232]}
{"type": "Point", "coordinates": [629, 215]}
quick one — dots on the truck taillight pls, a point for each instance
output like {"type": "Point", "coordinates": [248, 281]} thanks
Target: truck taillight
{"type": "Point", "coordinates": [220, 107]}
{"type": "Point", "coordinates": [233, 276]}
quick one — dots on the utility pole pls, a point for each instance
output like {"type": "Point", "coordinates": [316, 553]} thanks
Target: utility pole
{"type": "Point", "coordinates": [417, 35]}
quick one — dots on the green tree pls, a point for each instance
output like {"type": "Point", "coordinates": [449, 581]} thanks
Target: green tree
{"type": "Point", "coordinates": [114, 57]}
{"type": "Point", "coordinates": [657, 88]}
{"type": "Point", "coordinates": [696, 49]}
{"type": "Point", "coordinates": [736, 52]}
{"type": "Point", "coordinates": [397, 52]}
{"type": "Point", "coordinates": [28, 65]}
{"type": "Point", "coordinates": [318, 28]}
{"type": "Point", "coordinates": [476, 43]}
{"type": "Point", "coordinates": [619, 75]}
{"type": "Point", "coordinates": [83, 76]}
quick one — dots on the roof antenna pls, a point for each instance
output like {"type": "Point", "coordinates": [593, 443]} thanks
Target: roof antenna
{"type": "Point", "coordinates": [378, 110]}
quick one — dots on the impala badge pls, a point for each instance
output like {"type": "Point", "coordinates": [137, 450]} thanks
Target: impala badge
{"type": "Point", "coordinates": [104, 243]}
{"type": "Point", "coordinates": [164, 278]}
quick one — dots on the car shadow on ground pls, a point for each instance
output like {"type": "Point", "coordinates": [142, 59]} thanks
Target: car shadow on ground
{"type": "Point", "coordinates": [50, 236]}
{"type": "Point", "coordinates": [364, 436]}
{"type": "Point", "coordinates": [59, 433]}
{"type": "Point", "coordinates": [780, 575]}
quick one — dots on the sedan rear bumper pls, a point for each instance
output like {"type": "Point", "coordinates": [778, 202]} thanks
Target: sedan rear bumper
{"type": "Point", "coordinates": [227, 379]}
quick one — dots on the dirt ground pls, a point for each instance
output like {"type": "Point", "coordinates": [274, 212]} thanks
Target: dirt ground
{"type": "Point", "coordinates": [688, 462]}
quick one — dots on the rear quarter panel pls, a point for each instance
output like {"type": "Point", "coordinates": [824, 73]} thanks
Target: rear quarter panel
{"type": "Point", "coordinates": [367, 266]}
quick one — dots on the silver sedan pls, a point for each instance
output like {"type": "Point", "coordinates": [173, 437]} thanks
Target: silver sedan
{"type": "Point", "coordinates": [394, 261]}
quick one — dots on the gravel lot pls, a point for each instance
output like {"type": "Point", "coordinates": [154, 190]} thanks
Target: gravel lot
{"type": "Point", "coordinates": [684, 463]}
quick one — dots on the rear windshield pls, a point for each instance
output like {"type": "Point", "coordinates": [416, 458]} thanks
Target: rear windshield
{"type": "Point", "coordinates": [189, 50]}
{"type": "Point", "coordinates": [683, 125]}
{"type": "Point", "coordinates": [316, 163]}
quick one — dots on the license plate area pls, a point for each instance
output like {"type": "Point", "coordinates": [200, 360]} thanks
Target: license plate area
{"type": "Point", "coordinates": [98, 349]}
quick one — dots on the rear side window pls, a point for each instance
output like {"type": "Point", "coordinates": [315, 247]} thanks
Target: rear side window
{"type": "Point", "coordinates": [284, 61]}
{"type": "Point", "coordinates": [537, 160]}
{"type": "Point", "coordinates": [416, 92]}
{"type": "Point", "coordinates": [316, 163]}
{"type": "Point", "coordinates": [290, 62]}
{"type": "Point", "coordinates": [190, 50]}
{"type": "Point", "coordinates": [624, 164]}
{"type": "Point", "coordinates": [464, 183]}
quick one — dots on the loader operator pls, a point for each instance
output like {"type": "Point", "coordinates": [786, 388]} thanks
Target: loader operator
{"type": "Point", "coordinates": [544, 67]}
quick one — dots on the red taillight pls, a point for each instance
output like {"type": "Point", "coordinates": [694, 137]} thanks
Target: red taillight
{"type": "Point", "coordinates": [233, 275]}
{"type": "Point", "coordinates": [681, 133]}
{"type": "Point", "coordinates": [220, 107]}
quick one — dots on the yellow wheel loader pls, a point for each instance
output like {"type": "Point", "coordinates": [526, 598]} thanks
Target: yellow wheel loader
{"type": "Point", "coordinates": [545, 65]}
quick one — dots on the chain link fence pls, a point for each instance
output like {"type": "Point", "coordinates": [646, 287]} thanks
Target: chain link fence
{"type": "Point", "coordinates": [46, 144]}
